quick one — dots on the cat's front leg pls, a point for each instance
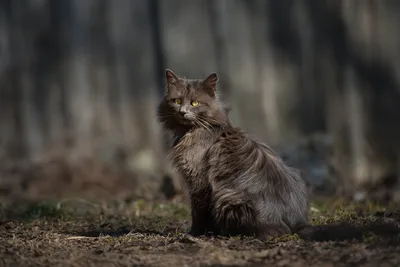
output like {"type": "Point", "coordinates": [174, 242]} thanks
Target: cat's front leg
{"type": "Point", "coordinates": [202, 221]}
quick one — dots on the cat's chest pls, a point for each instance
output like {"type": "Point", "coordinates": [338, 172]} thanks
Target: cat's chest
{"type": "Point", "coordinates": [188, 154]}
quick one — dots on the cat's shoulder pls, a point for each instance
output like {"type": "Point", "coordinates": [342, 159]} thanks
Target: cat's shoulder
{"type": "Point", "coordinates": [236, 136]}
{"type": "Point", "coordinates": [232, 132]}
{"type": "Point", "coordinates": [233, 136]}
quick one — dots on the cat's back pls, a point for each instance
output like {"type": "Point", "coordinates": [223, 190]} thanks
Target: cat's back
{"type": "Point", "coordinates": [237, 143]}
{"type": "Point", "coordinates": [247, 162]}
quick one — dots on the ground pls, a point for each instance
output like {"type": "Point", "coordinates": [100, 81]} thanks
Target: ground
{"type": "Point", "coordinates": [79, 232]}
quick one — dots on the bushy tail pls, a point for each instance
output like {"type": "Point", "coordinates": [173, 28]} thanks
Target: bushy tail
{"type": "Point", "coordinates": [344, 231]}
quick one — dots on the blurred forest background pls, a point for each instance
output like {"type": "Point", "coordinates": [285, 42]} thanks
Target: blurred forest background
{"type": "Point", "coordinates": [80, 81]}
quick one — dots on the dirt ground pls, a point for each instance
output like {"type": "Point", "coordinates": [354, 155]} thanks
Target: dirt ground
{"type": "Point", "coordinates": [79, 232]}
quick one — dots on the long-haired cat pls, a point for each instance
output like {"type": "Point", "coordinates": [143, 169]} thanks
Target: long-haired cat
{"type": "Point", "coordinates": [237, 185]}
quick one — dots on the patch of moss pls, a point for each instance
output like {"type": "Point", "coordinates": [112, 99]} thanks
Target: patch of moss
{"type": "Point", "coordinates": [325, 211]}
{"type": "Point", "coordinates": [174, 210]}
{"type": "Point", "coordinates": [332, 204]}
{"type": "Point", "coordinates": [369, 238]}
{"type": "Point", "coordinates": [109, 240]}
{"type": "Point", "coordinates": [284, 238]}
{"type": "Point", "coordinates": [33, 211]}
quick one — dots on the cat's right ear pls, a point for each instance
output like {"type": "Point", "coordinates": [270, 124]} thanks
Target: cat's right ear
{"type": "Point", "coordinates": [170, 77]}
{"type": "Point", "coordinates": [210, 84]}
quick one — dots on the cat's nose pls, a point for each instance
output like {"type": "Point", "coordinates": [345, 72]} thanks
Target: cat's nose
{"type": "Point", "coordinates": [182, 111]}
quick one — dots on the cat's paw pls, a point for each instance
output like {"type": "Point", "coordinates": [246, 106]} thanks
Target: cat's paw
{"type": "Point", "coordinates": [195, 231]}
{"type": "Point", "coordinates": [199, 232]}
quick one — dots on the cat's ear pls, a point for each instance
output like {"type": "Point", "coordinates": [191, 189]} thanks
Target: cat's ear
{"type": "Point", "coordinates": [170, 77]}
{"type": "Point", "coordinates": [210, 84]}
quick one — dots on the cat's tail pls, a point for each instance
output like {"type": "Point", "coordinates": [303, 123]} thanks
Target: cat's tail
{"type": "Point", "coordinates": [333, 232]}
{"type": "Point", "coordinates": [343, 231]}
{"type": "Point", "coordinates": [234, 212]}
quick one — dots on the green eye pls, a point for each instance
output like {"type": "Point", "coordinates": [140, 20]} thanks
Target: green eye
{"type": "Point", "coordinates": [177, 101]}
{"type": "Point", "coordinates": [194, 103]}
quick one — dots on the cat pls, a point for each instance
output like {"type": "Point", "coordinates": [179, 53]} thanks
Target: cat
{"type": "Point", "coordinates": [237, 185]}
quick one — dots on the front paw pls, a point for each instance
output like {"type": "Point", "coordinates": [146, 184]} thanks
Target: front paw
{"type": "Point", "coordinates": [199, 232]}
{"type": "Point", "coordinates": [195, 231]}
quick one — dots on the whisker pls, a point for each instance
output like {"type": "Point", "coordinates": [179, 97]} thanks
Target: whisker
{"type": "Point", "coordinates": [203, 124]}
{"type": "Point", "coordinates": [210, 120]}
{"type": "Point", "coordinates": [203, 120]}
{"type": "Point", "coordinates": [170, 116]}
{"type": "Point", "coordinates": [209, 126]}
{"type": "Point", "coordinates": [207, 123]}
{"type": "Point", "coordinates": [166, 116]}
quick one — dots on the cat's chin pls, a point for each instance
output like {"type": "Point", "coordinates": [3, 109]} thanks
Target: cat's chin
{"type": "Point", "coordinates": [186, 122]}
{"type": "Point", "coordinates": [189, 123]}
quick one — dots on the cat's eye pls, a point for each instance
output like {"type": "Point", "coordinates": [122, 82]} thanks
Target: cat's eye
{"type": "Point", "coordinates": [177, 101]}
{"type": "Point", "coordinates": [194, 103]}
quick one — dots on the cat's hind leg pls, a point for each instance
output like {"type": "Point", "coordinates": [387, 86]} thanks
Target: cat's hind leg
{"type": "Point", "coordinates": [271, 219]}
{"type": "Point", "coordinates": [234, 212]}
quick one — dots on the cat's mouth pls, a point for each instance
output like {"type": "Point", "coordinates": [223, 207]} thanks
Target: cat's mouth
{"type": "Point", "coordinates": [186, 119]}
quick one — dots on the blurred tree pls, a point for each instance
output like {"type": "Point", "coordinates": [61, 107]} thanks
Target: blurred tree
{"type": "Point", "coordinates": [83, 78]}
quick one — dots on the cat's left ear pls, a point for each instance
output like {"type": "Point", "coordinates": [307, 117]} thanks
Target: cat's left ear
{"type": "Point", "coordinates": [210, 84]}
{"type": "Point", "coordinates": [170, 77]}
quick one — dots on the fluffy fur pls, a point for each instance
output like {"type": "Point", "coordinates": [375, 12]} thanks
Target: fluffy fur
{"type": "Point", "coordinates": [237, 185]}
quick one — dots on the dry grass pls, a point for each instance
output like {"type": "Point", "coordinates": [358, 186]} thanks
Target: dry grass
{"type": "Point", "coordinates": [79, 232]}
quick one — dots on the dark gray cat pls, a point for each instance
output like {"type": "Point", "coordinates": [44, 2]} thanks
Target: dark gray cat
{"type": "Point", "coordinates": [237, 185]}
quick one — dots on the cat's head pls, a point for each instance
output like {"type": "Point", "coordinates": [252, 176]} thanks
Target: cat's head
{"type": "Point", "coordinates": [191, 103]}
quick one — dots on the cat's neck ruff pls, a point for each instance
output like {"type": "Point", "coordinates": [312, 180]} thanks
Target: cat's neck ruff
{"type": "Point", "coordinates": [197, 133]}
